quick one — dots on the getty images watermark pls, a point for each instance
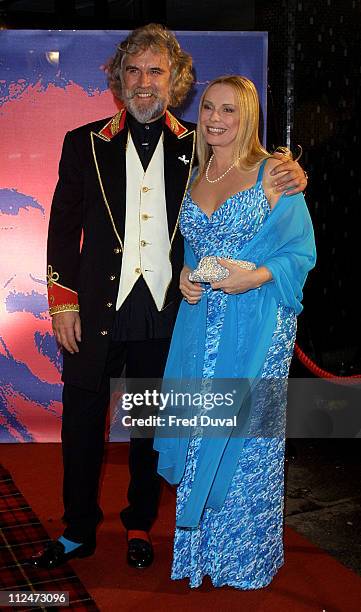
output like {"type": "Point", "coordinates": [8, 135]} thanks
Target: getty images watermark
{"type": "Point", "coordinates": [173, 408]}
{"type": "Point", "coordinates": [300, 408]}
{"type": "Point", "coordinates": [210, 407]}
{"type": "Point", "coordinates": [183, 402]}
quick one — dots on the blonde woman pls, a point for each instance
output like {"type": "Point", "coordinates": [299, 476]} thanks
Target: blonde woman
{"type": "Point", "coordinates": [230, 495]}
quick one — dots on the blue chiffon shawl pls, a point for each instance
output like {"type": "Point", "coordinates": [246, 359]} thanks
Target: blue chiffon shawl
{"type": "Point", "coordinates": [285, 245]}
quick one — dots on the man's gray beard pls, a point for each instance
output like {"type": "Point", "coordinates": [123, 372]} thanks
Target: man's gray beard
{"type": "Point", "coordinates": [147, 114]}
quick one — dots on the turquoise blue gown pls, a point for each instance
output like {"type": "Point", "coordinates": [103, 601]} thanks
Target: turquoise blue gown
{"type": "Point", "coordinates": [240, 545]}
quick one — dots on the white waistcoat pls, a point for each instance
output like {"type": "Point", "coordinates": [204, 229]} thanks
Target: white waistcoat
{"type": "Point", "coordinates": [146, 239]}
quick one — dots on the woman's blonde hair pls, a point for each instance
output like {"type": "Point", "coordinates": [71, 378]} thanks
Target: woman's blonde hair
{"type": "Point", "coordinates": [248, 150]}
{"type": "Point", "coordinates": [160, 40]}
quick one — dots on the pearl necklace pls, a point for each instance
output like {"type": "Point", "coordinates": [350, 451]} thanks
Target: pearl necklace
{"type": "Point", "coordinates": [222, 175]}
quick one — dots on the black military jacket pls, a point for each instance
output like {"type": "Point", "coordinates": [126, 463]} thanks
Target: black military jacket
{"type": "Point", "coordinates": [86, 231]}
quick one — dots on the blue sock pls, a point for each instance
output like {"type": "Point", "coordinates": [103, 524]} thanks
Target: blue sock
{"type": "Point", "coordinates": [69, 545]}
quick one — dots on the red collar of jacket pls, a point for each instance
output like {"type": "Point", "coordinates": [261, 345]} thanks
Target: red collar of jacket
{"type": "Point", "coordinates": [117, 123]}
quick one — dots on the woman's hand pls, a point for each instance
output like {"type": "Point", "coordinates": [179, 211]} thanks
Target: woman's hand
{"type": "Point", "coordinates": [241, 280]}
{"type": "Point", "coordinates": [191, 292]}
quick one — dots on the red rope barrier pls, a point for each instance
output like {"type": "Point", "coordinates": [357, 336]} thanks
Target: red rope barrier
{"type": "Point", "coordinates": [317, 371]}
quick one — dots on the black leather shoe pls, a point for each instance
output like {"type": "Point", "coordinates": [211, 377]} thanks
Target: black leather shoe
{"type": "Point", "coordinates": [140, 553]}
{"type": "Point", "coordinates": [54, 554]}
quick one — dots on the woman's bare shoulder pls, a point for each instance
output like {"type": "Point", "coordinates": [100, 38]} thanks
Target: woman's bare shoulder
{"type": "Point", "coordinates": [268, 181]}
{"type": "Point", "coordinates": [270, 164]}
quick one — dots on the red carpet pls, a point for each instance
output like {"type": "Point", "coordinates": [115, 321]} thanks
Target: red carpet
{"type": "Point", "coordinates": [311, 580]}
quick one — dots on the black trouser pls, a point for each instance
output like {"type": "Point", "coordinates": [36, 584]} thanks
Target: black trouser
{"type": "Point", "coordinates": [83, 429]}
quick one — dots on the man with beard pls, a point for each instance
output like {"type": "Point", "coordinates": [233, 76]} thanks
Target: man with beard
{"type": "Point", "coordinates": [114, 301]}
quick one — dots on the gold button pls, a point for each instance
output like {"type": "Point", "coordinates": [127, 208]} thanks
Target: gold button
{"type": "Point", "coordinates": [110, 304]}
{"type": "Point", "coordinates": [145, 217]}
{"type": "Point", "coordinates": [143, 243]}
{"type": "Point", "coordinates": [104, 332]}
{"type": "Point", "coordinates": [138, 270]}
{"type": "Point", "coordinates": [116, 251]}
{"type": "Point", "coordinates": [145, 189]}
{"type": "Point", "coordinates": [112, 277]}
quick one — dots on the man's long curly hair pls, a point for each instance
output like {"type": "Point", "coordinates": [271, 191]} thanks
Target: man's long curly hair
{"type": "Point", "coordinates": [160, 40]}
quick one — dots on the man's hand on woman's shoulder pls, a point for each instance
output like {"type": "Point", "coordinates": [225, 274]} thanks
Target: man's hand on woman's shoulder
{"type": "Point", "coordinates": [287, 175]}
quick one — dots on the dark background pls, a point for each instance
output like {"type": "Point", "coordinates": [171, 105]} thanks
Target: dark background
{"type": "Point", "coordinates": [314, 90]}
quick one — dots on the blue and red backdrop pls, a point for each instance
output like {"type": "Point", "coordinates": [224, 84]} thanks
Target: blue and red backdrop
{"type": "Point", "coordinates": [51, 82]}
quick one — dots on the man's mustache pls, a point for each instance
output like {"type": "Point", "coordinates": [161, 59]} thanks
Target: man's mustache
{"type": "Point", "coordinates": [132, 93]}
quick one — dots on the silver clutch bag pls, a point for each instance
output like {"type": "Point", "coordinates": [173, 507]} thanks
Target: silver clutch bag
{"type": "Point", "coordinates": [209, 270]}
